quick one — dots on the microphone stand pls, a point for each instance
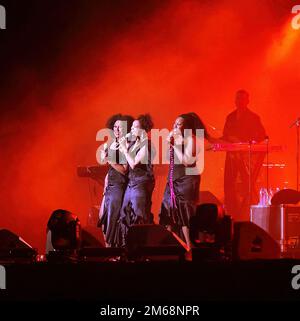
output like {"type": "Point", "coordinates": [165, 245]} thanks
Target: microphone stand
{"type": "Point", "coordinates": [267, 141]}
{"type": "Point", "coordinates": [250, 174]}
{"type": "Point", "coordinates": [298, 143]}
{"type": "Point", "coordinates": [297, 124]}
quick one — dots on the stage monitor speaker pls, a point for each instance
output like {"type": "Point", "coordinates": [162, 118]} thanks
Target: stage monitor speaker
{"type": "Point", "coordinates": [153, 240]}
{"type": "Point", "coordinates": [10, 241]}
{"type": "Point", "coordinates": [93, 247]}
{"type": "Point", "coordinates": [14, 249]}
{"type": "Point", "coordinates": [208, 197]}
{"type": "Point", "coordinates": [252, 242]}
{"type": "Point", "coordinates": [92, 236]}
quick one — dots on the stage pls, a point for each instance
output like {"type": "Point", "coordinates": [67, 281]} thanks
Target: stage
{"type": "Point", "coordinates": [257, 280]}
{"type": "Point", "coordinates": [85, 81]}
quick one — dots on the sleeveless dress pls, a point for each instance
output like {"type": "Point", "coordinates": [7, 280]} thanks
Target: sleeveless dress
{"type": "Point", "coordinates": [114, 194]}
{"type": "Point", "coordinates": [180, 196]}
{"type": "Point", "coordinates": [137, 201]}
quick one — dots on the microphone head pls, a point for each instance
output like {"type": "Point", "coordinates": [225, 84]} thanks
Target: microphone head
{"type": "Point", "coordinates": [129, 137]}
{"type": "Point", "coordinates": [172, 140]}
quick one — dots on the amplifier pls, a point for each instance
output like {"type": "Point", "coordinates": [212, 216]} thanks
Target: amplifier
{"type": "Point", "coordinates": [282, 222]}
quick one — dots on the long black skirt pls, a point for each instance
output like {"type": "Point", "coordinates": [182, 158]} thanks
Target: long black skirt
{"type": "Point", "coordinates": [136, 207]}
{"type": "Point", "coordinates": [114, 194]}
{"type": "Point", "coordinates": [186, 190]}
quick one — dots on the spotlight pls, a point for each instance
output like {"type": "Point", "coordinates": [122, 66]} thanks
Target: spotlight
{"type": "Point", "coordinates": [63, 234]}
{"type": "Point", "coordinates": [209, 233]}
{"type": "Point", "coordinates": [203, 225]}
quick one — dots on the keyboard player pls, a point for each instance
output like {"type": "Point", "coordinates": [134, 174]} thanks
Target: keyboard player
{"type": "Point", "coordinates": [242, 125]}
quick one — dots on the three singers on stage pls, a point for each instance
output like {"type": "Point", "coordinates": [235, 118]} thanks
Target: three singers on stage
{"type": "Point", "coordinates": [130, 180]}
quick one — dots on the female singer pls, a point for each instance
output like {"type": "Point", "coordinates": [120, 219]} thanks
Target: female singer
{"type": "Point", "coordinates": [182, 189]}
{"type": "Point", "coordinates": [136, 208]}
{"type": "Point", "coordinates": [116, 180]}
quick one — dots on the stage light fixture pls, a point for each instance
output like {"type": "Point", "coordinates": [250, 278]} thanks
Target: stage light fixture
{"type": "Point", "coordinates": [63, 232]}
{"type": "Point", "coordinates": [210, 233]}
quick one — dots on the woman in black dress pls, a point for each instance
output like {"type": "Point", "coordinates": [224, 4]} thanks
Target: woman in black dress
{"type": "Point", "coordinates": [136, 208]}
{"type": "Point", "coordinates": [116, 180]}
{"type": "Point", "coordinates": [182, 189]}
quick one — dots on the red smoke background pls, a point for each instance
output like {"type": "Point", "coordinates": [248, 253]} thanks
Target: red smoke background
{"type": "Point", "coordinates": [161, 57]}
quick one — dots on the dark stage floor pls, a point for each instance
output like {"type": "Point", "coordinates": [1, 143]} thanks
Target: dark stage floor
{"type": "Point", "coordinates": [143, 281]}
{"type": "Point", "coordinates": [259, 288]}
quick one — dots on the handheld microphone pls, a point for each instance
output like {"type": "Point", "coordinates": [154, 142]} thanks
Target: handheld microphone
{"type": "Point", "coordinates": [172, 140]}
{"type": "Point", "coordinates": [129, 137]}
{"type": "Point", "coordinates": [104, 152]}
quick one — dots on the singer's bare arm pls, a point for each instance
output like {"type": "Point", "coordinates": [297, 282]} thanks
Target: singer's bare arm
{"type": "Point", "coordinates": [118, 167]}
{"type": "Point", "coordinates": [138, 158]}
{"type": "Point", "coordinates": [189, 156]}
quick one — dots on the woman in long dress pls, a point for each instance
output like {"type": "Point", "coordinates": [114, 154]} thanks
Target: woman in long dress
{"type": "Point", "coordinates": [136, 208]}
{"type": "Point", "coordinates": [116, 181]}
{"type": "Point", "coordinates": [182, 189]}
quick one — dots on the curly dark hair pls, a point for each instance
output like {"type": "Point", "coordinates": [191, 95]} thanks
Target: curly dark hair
{"type": "Point", "coordinates": [145, 122]}
{"type": "Point", "coordinates": [111, 121]}
{"type": "Point", "coordinates": [129, 120]}
{"type": "Point", "coordinates": [192, 121]}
